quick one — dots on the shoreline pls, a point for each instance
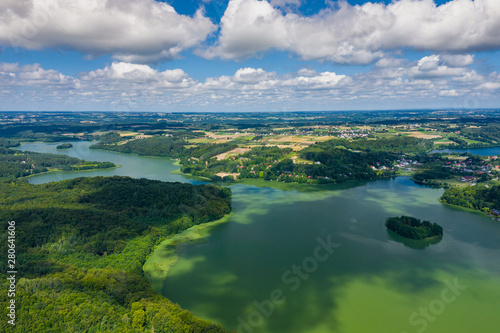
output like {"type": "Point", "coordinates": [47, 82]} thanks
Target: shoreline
{"type": "Point", "coordinates": [166, 254]}
{"type": "Point", "coordinates": [60, 170]}
{"type": "Point", "coordinates": [471, 210]}
{"type": "Point", "coordinates": [260, 182]}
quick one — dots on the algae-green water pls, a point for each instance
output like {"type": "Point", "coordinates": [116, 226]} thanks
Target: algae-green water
{"type": "Point", "coordinates": [323, 261]}
{"type": "Point", "coordinates": [373, 281]}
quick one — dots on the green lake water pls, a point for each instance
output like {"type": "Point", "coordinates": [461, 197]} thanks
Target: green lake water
{"type": "Point", "coordinates": [268, 269]}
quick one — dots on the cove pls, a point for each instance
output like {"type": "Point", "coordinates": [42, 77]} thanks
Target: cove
{"type": "Point", "coordinates": [371, 282]}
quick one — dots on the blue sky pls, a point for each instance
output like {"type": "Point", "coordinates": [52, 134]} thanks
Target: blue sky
{"type": "Point", "coordinates": [248, 55]}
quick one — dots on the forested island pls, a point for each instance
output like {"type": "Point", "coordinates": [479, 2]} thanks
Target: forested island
{"type": "Point", "coordinates": [65, 146]}
{"type": "Point", "coordinates": [411, 227]}
{"type": "Point", "coordinates": [81, 244]}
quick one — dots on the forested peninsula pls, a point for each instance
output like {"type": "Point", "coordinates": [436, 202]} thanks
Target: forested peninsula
{"type": "Point", "coordinates": [15, 164]}
{"type": "Point", "coordinates": [81, 244]}
{"type": "Point", "coordinates": [485, 199]}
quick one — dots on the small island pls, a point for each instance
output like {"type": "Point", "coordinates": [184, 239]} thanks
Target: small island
{"type": "Point", "coordinates": [65, 146]}
{"type": "Point", "coordinates": [413, 228]}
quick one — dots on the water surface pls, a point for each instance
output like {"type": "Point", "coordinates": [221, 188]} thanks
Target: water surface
{"type": "Point", "coordinates": [372, 281]}
{"type": "Point", "coordinates": [131, 165]}
{"type": "Point", "coordinates": [477, 151]}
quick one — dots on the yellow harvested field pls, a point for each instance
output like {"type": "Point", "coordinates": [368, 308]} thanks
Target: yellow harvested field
{"type": "Point", "coordinates": [424, 136]}
{"type": "Point", "coordinates": [233, 152]}
{"type": "Point", "coordinates": [318, 126]}
{"type": "Point", "coordinates": [444, 142]}
{"type": "Point", "coordinates": [223, 174]}
{"type": "Point", "coordinates": [227, 136]}
{"type": "Point", "coordinates": [287, 139]}
{"type": "Point", "coordinates": [75, 134]}
{"type": "Point", "coordinates": [301, 139]}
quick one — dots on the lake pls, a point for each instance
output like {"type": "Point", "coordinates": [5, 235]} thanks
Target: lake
{"type": "Point", "coordinates": [131, 165]}
{"type": "Point", "coordinates": [477, 151]}
{"type": "Point", "coordinates": [322, 261]}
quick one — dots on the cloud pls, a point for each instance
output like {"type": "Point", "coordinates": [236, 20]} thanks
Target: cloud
{"type": "Point", "coordinates": [136, 87]}
{"type": "Point", "coordinates": [149, 31]}
{"type": "Point", "coordinates": [434, 66]}
{"type": "Point", "coordinates": [123, 74]}
{"type": "Point", "coordinates": [390, 62]}
{"type": "Point", "coordinates": [251, 75]}
{"type": "Point", "coordinates": [359, 34]}
{"type": "Point", "coordinates": [11, 74]}
{"type": "Point", "coordinates": [450, 93]}
{"type": "Point", "coordinates": [490, 86]}
{"type": "Point", "coordinates": [458, 60]}
{"type": "Point", "coordinates": [133, 30]}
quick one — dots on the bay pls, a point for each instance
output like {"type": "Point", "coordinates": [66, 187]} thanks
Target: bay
{"type": "Point", "coordinates": [369, 280]}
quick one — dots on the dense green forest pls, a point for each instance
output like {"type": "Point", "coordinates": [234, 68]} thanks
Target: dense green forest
{"type": "Point", "coordinates": [413, 228]}
{"type": "Point", "coordinates": [174, 147]}
{"type": "Point", "coordinates": [154, 146]}
{"type": "Point", "coordinates": [432, 173]}
{"type": "Point", "coordinates": [80, 248]}
{"type": "Point", "coordinates": [475, 197]}
{"type": "Point", "coordinates": [397, 144]}
{"type": "Point", "coordinates": [488, 134]}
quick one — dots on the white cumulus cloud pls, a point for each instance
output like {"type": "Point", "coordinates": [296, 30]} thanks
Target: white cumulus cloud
{"type": "Point", "coordinates": [359, 34]}
{"type": "Point", "coordinates": [128, 86]}
{"type": "Point", "coordinates": [130, 30]}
